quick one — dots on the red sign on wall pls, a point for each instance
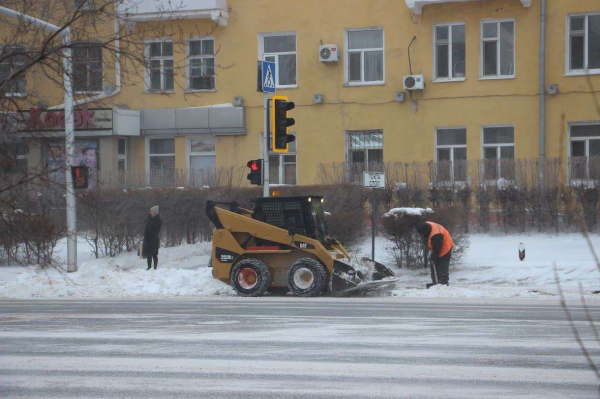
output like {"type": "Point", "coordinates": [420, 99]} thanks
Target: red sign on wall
{"type": "Point", "coordinates": [39, 119]}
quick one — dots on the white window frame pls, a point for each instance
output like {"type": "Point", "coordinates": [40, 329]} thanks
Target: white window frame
{"type": "Point", "coordinates": [262, 55]}
{"type": "Point", "coordinates": [123, 157]}
{"type": "Point", "coordinates": [435, 43]}
{"type": "Point", "coordinates": [191, 153]}
{"type": "Point", "coordinates": [451, 147]}
{"type": "Point", "coordinates": [498, 147]}
{"type": "Point", "coordinates": [189, 57]}
{"type": "Point", "coordinates": [498, 50]}
{"type": "Point", "coordinates": [281, 163]}
{"type": "Point", "coordinates": [347, 83]}
{"type": "Point", "coordinates": [585, 70]}
{"type": "Point", "coordinates": [148, 155]}
{"type": "Point", "coordinates": [587, 148]}
{"type": "Point", "coordinates": [348, 148]}
{"type": "Point", "coordinates": [147, 60]}
{"type": "Point", "coordinates": [12, 93]}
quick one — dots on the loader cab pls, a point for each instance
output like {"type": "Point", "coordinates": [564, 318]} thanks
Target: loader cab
{"type": "Point", "coordinates": [304, 213]}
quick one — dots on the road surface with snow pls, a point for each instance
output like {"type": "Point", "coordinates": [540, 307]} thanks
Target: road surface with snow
{"type": "Point", "coordinates": [283, 347]}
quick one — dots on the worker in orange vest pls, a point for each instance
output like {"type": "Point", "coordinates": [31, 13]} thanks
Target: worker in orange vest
{"type": "Point", "coordinates": [440, 245]}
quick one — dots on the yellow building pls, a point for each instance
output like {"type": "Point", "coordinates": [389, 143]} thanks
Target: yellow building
{"type": "Point", "coordinates": [194, 108]}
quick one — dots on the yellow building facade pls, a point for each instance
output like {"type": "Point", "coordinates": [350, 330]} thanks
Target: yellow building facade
{"type": "Point", "coordinates": [479, 60]}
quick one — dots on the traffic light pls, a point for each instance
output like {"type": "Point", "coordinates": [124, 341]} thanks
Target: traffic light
{"type": "Point", "coordinates": [280, 123]}
{"type": "Point", "coordinates": [255, 175]}
{"type": "Point", "coordinates": [80, 177]}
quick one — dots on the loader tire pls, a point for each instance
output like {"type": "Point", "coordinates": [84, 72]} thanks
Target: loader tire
{"type": "Point", "coordinates": [307, 277]}
{"type": "Point", "coordinates": [250, 277]}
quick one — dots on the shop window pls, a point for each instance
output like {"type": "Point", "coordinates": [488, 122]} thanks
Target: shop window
{"type": "Point", "coordinates": [162, 161]}
{"type": "Point", "coordinates": [499, 152]}
{"type": "Point", "coordinates": [449, 50]}
{"type": "Point", "coordinates": [280, 48]}
{"type": "Point", "coordinates": [451, 153]}
{"type": "Point", "coordinates": [583, 54]}
{"type": "Point", "coordinates": [584, 162]}
{"type": "Point", "coordinates": [159, 65]}
{"type": "Point", "coordinates": [365, 60]}
{"type": "Point", "coordinates": [498, 49]}
{"type": "Point", "coordinates": [13, 157]}
{"type": "Point", "coordinates": [202, 160]}
{"type": "Point", "coordinates": [201, 64]}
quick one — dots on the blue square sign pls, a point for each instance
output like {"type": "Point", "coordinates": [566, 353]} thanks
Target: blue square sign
{"type": "Point", "coordinates": [268, 77]}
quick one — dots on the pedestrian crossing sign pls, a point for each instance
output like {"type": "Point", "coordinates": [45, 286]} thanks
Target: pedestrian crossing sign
{"type": "Point", "coordinates": [268, 77]}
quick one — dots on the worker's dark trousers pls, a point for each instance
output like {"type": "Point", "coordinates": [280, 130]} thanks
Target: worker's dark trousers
{"type": "Point", "coordinates": [442, 268]}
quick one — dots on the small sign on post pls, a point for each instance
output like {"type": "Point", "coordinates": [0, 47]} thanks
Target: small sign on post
{"type": "Point", "coordinates": [374, 181]}
{"type": "Point", "coordinates": [268, 77]}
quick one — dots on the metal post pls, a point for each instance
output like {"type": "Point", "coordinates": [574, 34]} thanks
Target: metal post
{"type": "Point", "coordinates": [373, 223]}
{"type": "Point", "coordinates": [70, 155]}
{"type": "Point", "coordinates": [543, 92]}
{"type": "Point", "coordinates": [266, 148]}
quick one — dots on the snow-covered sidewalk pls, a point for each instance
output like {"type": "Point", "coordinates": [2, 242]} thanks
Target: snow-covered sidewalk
{"type": "Point", "coordinates": [491, 268]}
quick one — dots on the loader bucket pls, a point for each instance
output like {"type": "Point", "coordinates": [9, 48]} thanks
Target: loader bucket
{"type": "Point", "coordinates": [347, 279]}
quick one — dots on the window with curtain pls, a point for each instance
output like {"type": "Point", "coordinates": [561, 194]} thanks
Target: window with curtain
{"type": "Point", "coordinates": [365, 152]}
{"type": "Point", "coordinates": [584, 43]}
{"type": "Point", "coordinates": [499, 152]}
{"type": "Point", "coordinates": [281, 49]}
{"type": "Point", "coordinates": [12, 59]}
{"type": "Point", "coordinates": [364, 63]}
{"type": "Point", "coordinates": [451, 154]}
{"type": "Point", "coordinates": [201, 64]}
{"type": "Point", "coordinates": [87, 68]}
{"type": "Point", "coordinates": [498, 48]}
{"type": "Point", "coordinates": [449, 50]}
{"type": "Point", "coordinates": [202, 160]}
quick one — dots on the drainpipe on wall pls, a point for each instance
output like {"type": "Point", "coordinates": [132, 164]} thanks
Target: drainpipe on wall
{"type": "Point", "coordinates": [542, 91]}
{"type": "Point", "coordinates": [117, 90]}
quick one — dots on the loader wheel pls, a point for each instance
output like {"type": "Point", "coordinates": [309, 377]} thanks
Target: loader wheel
{"type": "Point", "coordinates": [250, 277]}
{"type": "Point", "coordinates": [307, 277]}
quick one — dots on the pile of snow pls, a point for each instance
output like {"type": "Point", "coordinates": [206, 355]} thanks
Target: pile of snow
{"type": "Point", "coordinates": [397, 212]}
{"type": "Point", "coordinates": [491, 268]}
{"type": "Point", "coordinates": [182, 271]}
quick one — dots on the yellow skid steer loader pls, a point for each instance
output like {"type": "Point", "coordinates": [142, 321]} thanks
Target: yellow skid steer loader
{"type": "Point", "coordinates": [282, 243]}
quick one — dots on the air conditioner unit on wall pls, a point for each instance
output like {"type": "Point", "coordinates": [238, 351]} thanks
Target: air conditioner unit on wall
{"type": "Point", "coordinates": [329, 53]}
{"type": "Point", "coordinates": [413, 82]}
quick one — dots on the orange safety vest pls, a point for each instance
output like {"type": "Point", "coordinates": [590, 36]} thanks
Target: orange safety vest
{"type": "Point", "coordinates": [447, 244]}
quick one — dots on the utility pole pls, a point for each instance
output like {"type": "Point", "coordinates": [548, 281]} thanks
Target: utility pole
{"type": "Point", "coordinates": [65, 33]}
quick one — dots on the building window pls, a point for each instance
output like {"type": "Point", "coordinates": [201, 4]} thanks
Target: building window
{"type": "Point", "coordinates": [365, 63]}
{"type": "Point", "coordinates": [202, 160]}
{"type": "Point", "coordinates": [583, 53]}
{"type": "Point", "coordinates": [451, 153]}
{"type": "Point", "coordinates": [585, 152]}
{"type": "Point", "coordinates": [498, 49]}
{"type": "Point", "coordinates": [159, 67]}
{"type": "Point", "coordinates": [201, 64]}
{"type": "Point", "coordinates": [449, 51]}
{"type": "Point", "coordinates": [280, 48]}
{"type": "Point", "coordinates": [87, 69]}
{"type": "Point", "coordinates": [122, 152]}
{"type": "Point", "coordinates": [13, 157]}
{"type": "Point", "coordinates": [282, 167]}
{"type": "Point", "coordinates": [162, 161]}
{"type": "Point", "coordinates": [499, 152]}
{"type": "Point", "coordinates": [365, 152]}
{"type": "Point", "coordinates": [83, 5]}
{"type": "Point", "coordinates": [12, 59]}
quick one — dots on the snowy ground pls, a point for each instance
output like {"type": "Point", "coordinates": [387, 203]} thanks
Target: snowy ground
{"type": "Point", "coordinates": [491, 268]}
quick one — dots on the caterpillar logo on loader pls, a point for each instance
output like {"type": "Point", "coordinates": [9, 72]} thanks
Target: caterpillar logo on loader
{"type": "Point", "coordinates": [283, 242]}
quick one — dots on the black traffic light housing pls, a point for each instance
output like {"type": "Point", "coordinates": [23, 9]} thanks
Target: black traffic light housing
{"type": "Point", "coordinates": [280, 123]}
{"type": "Point", "coordinates": [255, 175]}
{"type": "Point", "coordinates": [80, 177]}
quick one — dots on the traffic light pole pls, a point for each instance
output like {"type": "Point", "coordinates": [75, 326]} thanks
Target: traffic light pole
{"type": "Point", "coordinates": [266, 148]}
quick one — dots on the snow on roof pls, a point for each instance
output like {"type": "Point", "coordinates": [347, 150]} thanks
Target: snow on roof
{"type": "Point", "coordinates": [407, 211]}
{"type": "Point", "coordinates": [416, 6]}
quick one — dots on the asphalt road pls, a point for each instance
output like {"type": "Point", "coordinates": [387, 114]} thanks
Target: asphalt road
{"type": "Point", "coordinates": [292, 348]}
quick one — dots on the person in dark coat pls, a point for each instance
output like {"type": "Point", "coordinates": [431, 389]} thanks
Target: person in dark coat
{"type": "Point", "coordinates": [151, 238]}
{"type": "Point", "coordinates": [440, 245]}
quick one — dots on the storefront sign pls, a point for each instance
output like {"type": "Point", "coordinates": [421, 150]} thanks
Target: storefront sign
{"type": "Point", "coordinates": [87, 119]}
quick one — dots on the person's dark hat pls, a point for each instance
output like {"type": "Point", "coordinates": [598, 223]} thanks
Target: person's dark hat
{"type": "Point", "coordinates": [424, 229]}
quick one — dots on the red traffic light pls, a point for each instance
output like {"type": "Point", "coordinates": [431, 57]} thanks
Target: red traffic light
{"type": "Point", "coordinates": [255, 175]}
{"type": "Point", "coordinates": [253, 165]}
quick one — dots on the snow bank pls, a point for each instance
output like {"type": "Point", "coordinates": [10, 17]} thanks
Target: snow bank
{"type": "Point", "coordinates": [397, 212]}
{"type": "Point", "coordinates": [182, 271]}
